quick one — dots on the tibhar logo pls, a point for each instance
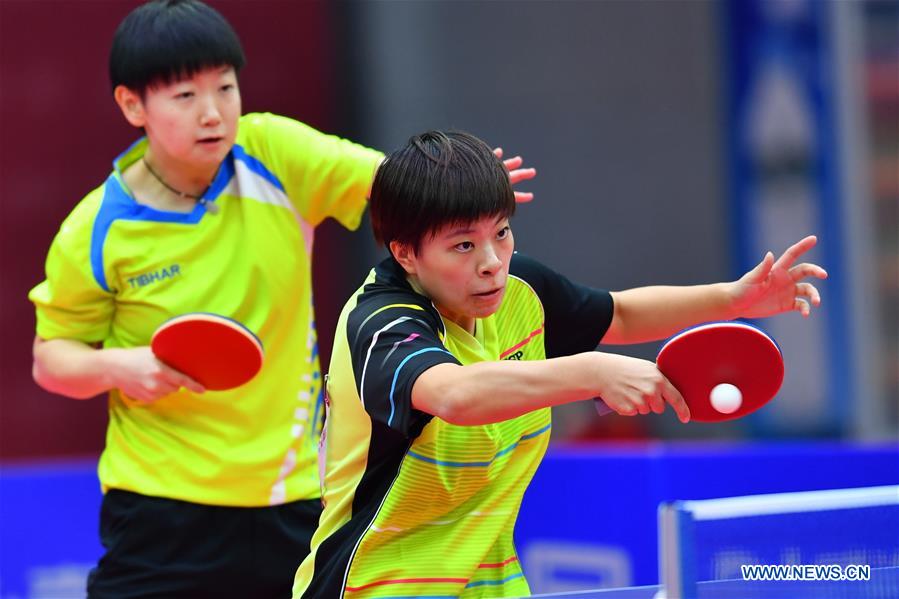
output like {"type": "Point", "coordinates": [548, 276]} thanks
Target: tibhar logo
{"type": "Point", "coordinates": [152, 277]}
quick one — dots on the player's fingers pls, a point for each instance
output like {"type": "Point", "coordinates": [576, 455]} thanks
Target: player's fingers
{"type": "Point", "coordinates": [178, 380]}
{"type": "Point", "coordinates": [642, 405]}
{"type": "Point", "coordinates": [517, 175]}
{"type": "Point", "coordinates": [761, 270]}
{"type": "Point", "coordinates": [624, 408]}
{"type": "Point", "coordinates": [809, 291]}
{"type": "Point", "coordinates": [523, 197]}
{"type": "Point", "coordinates": [154, 391]}
{"type": "Point", "coordinates": [498, 152]}
{"type": "Point", "coordinates": [657, 403]}
{"type": "Point", "coordinates": [801, 271]}
{"type": "Point", "coordinates": [794, 251]}
{"type": "Point", "coordinates": [676, 401]}
{"type": "Point", "coordinates": [192, 385]}
{"type": "Point", "coordinates": [513, 163]}
{"type": "Point", "coordinates": [140, 395]}
{"type": "Point", "coordinates": [801, 306]}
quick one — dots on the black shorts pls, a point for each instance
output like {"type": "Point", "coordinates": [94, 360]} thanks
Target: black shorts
{"type": "Point", "coordinates": [170, 549]}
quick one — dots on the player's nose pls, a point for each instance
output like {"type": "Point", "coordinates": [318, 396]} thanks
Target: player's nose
{"type": "Point", "coordinates": [210, 115]}
{"type": "Point", "coordinates": [490, 262]}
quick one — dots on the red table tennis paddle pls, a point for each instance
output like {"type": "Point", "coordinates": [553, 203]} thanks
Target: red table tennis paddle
{"type": "Point", "coordinates": [724, 370]}
{"type": "Point", "coordinates": [217, 352]}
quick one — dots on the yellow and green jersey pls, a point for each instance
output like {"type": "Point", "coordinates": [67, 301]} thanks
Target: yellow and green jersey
{"type": "Point", "coordinates": [415, 506]}
{"type": "Point", "coordinates": [117, 269]}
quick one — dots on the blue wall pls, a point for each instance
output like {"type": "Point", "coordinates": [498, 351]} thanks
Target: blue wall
{"type": "Point", "coordinates": [587, 521]}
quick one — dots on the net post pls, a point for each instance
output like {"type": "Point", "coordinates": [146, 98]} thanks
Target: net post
{"type": "Point", "coordinates": [677, 553]}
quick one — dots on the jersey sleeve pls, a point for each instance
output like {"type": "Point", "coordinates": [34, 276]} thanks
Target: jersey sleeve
{"type": "Point", "coordinates": [391, 346]}
{"type": "Point", "coordinates": [69, 302]}
{"type": "Point", "coordinates": [323, 175]}
{"type": "Point", "coordinates": [576, 316]}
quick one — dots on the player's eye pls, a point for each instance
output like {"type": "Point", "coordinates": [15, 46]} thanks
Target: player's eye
{"type": "Point", "coordinates": [465, 246]}
{"type": "Point", "coordinates": [504, 232]}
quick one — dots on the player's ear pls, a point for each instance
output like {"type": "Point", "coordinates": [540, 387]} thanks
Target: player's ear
{"type": "Point", "coordinates": [405, 255]}
{"type": "Point", "coordinates": [130, 104]}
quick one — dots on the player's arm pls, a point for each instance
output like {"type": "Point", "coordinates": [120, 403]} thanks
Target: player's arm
{"type": "Point", "coordinates": [324, 175]}
{"type": "Point", "coordinates": [650, 313]}
{"type": "Point", "coordinates": [72, 304]}
{"type": "Point", "coordinates": [772, 287]}
{"type": "Point", "coordinates": [487, 392]}
{"type": "Point", "coordinates": [80, 371]}
{"type": "Point", "coordinates": [575, 319]}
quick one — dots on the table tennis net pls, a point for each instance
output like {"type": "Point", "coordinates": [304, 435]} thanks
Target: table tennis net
{"type": "Point", "coordinates": [838, 539]}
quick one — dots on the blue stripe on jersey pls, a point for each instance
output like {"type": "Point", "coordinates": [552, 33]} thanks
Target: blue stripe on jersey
{"type": "Point", "coordinates": [319, 403]}
{"type": "Point", "coordinates": [255, 165]}
{"type": "Point", "coordinates": [479, 583]}
{"type": "Point", "coordinates": [221, 179]}
{"type": "Point", "coordinates": [499, 454]}
{"type": "Point", "coordinates": [397, 372]}
{"type": "Point", "coordinates": [536, 433]}
{"type": "Point", "coordinates": [117, 204]}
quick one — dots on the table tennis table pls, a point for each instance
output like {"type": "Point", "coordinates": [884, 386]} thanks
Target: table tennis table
{"type": "Point", "coordinates": [702, 545]}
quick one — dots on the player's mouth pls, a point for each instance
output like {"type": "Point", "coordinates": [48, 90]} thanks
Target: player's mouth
{"type": "Point", "coordinates": [211, 141]}
{"type": "Point", "coordinates": [489, 295]}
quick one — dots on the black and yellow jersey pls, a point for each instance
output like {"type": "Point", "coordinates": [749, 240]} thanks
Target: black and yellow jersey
{"type": "Point", "coordinates": [415, 506]}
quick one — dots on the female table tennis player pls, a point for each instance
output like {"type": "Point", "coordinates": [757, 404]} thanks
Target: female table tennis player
{"type": "Point", "coordinates": [446, 362]}
{"type": "Point", "coordinates": [210, 211]}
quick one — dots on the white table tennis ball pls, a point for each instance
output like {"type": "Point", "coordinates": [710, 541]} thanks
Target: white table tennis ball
{"type": "Point", "coordinates": [726, 398]}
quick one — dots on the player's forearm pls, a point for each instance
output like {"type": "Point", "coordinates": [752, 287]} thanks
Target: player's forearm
{"type": "Point", "coordinates": [488, 392]}
{"type": "Point", "coordinates": [72, 368]}
{"type": "Point", "coordinates": [650, 313]}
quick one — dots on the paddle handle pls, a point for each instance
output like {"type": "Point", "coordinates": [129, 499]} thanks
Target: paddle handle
{"type": "Point", "coordinates": [601, 408]}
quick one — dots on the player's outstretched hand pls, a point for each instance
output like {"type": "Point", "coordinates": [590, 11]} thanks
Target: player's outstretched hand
{"type": "Point", "coordinates": [517, 174]}
{"type": "Point", "coordinates": [632, 386]}
{"type": "Point", "coordinates": [778, 286]}
{"type": "Point", "coordinates": [142, 377]}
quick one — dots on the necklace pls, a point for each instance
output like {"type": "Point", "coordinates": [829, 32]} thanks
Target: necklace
{"type": "Point", "coordinates": [213, 208]}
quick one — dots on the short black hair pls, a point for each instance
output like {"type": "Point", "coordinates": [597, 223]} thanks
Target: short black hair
{"type": "Point", "coordinates": [437, 179]}
{"type": "Point", "coordinates": [168, 40]}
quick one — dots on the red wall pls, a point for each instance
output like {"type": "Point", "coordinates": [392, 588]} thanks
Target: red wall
{"type": "Point", "coordinates": [60, 130]}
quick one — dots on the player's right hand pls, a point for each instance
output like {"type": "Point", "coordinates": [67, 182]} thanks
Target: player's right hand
{"type": "Point", "coordinates": [632, 386]}
{"type": "Point", "coordinates": [142, 377]}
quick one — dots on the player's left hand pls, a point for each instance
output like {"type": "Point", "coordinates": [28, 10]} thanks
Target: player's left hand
{"type": "Point", "coordinates": [774, 287]}
{"type": "Point", "coordinates": [517, 174]}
